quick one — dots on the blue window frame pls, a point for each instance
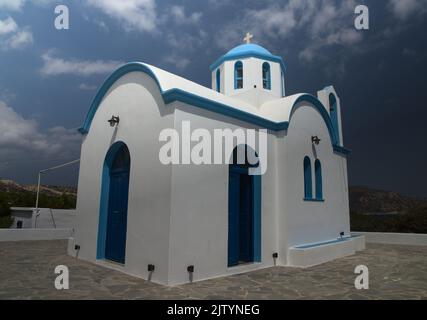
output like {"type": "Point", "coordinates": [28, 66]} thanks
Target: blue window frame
{"type": "Point", "coordinates": [266, 76]}
{"type": "Point", "coordinates": [238, 75]}
{"type": "Point", "coordinates": [333, 110]}
{"type": "Point", "coordinates": [218, 80]}
{"type": "Point", "coordinates": [283, 83]}
{"type": "Point", "coordinates": [308, 193]}
{"type": "Point", "coordinates": [319, 183]}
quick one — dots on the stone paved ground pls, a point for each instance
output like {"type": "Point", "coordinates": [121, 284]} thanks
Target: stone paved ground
{"type": "Point", "coordinates": [396, 272]}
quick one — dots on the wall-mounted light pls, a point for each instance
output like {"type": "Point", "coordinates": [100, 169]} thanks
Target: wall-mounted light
{"type": "Point", "coordinates": [190, 269]}
{"type": "Point", "coordinates": [114, 121]}
{"type": "Point", "coordinates": [315, 140]}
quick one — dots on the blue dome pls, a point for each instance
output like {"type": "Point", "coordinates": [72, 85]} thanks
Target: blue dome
{"type": "Point", "coordinates": [248, 48]}
{"type": "Point", "coordinates": [245, 51]}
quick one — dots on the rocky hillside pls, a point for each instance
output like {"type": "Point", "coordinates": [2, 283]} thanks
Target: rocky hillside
{"type": "Point", "coordinates": [370, 201]}
{"type": "Point", "coordinates": [13, 194]}
{"type": "Point", "coordinates": [12, 186]}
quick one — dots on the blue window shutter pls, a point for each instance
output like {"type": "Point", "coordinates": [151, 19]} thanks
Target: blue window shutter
{"type": "Point", "coordinates": [218, 80]}
{"type": "Point", "coordinates": [308, 193]}
{"type": "Point", "coordinates": [318, 174]}
{"type": "Point", "coordinates": [266, 76]}
{"type": "Point", "coordinates": [238, 75]}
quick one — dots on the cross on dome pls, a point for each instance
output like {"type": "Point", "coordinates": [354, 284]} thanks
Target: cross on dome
{"type": "Point", "coordinates": [248, 37]}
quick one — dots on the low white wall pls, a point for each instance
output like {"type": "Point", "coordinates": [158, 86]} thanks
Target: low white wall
{"type": "Point", "coordinates": [311, 256]}
{"type": "Point", "coordinates": [412, 239]}
{"type": "Point", "coordinates": [62, 218]}
{"type": "Point", "coordinates": [34, 234]}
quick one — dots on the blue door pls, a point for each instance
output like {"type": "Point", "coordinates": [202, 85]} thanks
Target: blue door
{"type": "Point", "coordinates": [240, 219]}
{"type": "Point", "coordinates": [233, 219]}
{"type": "Point", "coordinates": [245, 219]}
{"type": "Point", "coordinates": [115, 247]}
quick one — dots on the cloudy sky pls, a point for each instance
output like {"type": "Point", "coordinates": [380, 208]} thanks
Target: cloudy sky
{"type": "Point", "coordinates": [48, 76]}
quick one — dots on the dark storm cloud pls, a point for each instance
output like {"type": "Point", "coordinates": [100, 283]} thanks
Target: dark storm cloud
{"type": "Point", "coordinates": [48, 77]}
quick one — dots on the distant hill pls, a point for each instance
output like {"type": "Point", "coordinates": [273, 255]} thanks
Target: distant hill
{"type": "Point", "coordinates": [384, 211]}
{"type": "Point", "coordinates": [13, 194]}
{"type": "Point", "coordinates": [365, 200]}
{"type": "Point", "coordinates": [371, 210]}
{"type": "Point", "coordinates": [12, 186]}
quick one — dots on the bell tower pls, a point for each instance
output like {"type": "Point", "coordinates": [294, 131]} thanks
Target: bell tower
{"type": "Point", "coordinates": [250, 73]}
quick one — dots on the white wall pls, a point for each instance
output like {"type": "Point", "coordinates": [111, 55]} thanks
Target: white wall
{"type": "Point", "coordinates": [62, 218]}
{"type": "Point", "coordinates": [178, 216]}
{"type": "Point", "coordinates": [303, 221]}
{"type": "Point", "coordinates": [136, 99]}
{"type": "Point", "coordinates": [410, 239]}
{"type": "Point", "coordinates": [199, 221]}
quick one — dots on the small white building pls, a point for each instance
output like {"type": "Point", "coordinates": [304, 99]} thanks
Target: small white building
{"type": "Point", "coordinates": [171, 223]}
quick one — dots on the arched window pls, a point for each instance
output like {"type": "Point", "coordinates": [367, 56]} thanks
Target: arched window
{"type": "Point", "coordinates": [218, 80]}
{"type": "Point", "coordinates": [266, 76]}
{"type": "Point", "coordinates": [333, 110]}
{"type": "Point", "coordinates": [238, 75]}
{"type": "Point", "coordinates": [318, 175]}
{"type": "Point", "coordinates": [308, 193]}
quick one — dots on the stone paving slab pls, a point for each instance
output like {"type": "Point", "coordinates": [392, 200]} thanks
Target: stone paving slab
{"type": "Point", "coordinates": [396, 272]}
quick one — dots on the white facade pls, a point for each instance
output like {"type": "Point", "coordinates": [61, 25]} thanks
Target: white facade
{"type": "Point", "coordinates": [178, 215]}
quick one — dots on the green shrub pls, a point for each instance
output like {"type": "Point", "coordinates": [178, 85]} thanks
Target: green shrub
{"type": "Point", "coordinates": [4, 210]}
{"type": "Point", "coordinates": [6, 222]}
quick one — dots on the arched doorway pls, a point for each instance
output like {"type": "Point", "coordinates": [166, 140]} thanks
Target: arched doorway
{"type": "Point", "coordinates": [244, 211]}
{"type": "Point", "coordinates": [114, 204]}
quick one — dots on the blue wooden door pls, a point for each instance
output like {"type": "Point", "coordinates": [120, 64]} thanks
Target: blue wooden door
{"type": "Point", "coordinates": [233, 219]}
{"type": "Point", "coordinates": [245, 219]}
{"type": "Point", "coordinates": [240, 220]}
{"type": "Point", "coordinates": [115, 248]}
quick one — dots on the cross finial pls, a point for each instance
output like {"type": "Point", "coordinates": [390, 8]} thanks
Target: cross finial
{"type": "Point", "coordinates": [248, 37]}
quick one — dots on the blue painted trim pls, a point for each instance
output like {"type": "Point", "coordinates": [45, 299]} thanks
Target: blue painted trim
{"type": "Point", "coordinates": [218, 80]}
{"type": "Point", "coordinates": [317, 244]}
{"type": "Point", "coordinates": [257, 217]}
{"type": "Point", "coordinates": [204, 103]}
{"type": "Point", "coordinates": [341, 150]}
{"type": "Point", "coordinates": [104, 197]}
{"type": "Point", "coordinates": [314, 200]}
{"type": "Point", "coordinates": [308, 184]}
{"type": "Point", "coordinates": [318, 179]}
{"type": "Point", "coordinates": [217, 107]}
{"type": "Point", "coordinates": [248, 54]}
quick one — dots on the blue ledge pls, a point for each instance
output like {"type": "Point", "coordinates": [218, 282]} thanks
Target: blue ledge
{"type": "Point", "coordinates": [314, 200]}
{"type": "Point", "coordinates": [312, 245]}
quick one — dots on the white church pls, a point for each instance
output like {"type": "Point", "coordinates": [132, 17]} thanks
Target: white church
{"type": "Point", "coordinates": [177, 223]}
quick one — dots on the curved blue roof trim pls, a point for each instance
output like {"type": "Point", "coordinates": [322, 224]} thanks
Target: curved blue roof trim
{"type": "Point", "coordinates": [117, 74]}
{"type": "Point", "coordinates": [204, 103]}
